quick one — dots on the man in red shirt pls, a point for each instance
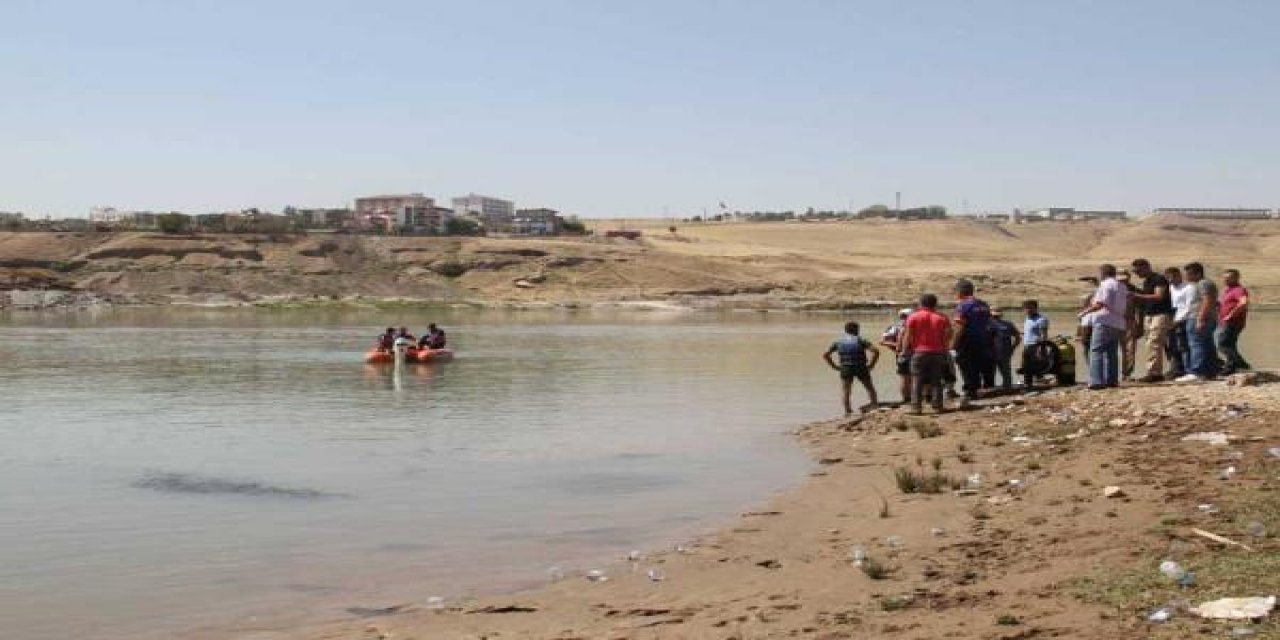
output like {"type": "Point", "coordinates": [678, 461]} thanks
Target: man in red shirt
{"type": "Point", "coordinates": [1233, 309]}
{"type": "Point", "coordinates": [927, 337]}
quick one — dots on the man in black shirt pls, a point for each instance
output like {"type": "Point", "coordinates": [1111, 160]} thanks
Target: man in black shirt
{"type": "Point", "coordinates": [1157, 316]}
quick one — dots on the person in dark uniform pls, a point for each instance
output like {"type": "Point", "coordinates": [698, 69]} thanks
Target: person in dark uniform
{"type": "Point", "coordinates": [387, 341]}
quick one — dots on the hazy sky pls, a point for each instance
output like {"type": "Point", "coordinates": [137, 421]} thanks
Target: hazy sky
{"type": "Point", "coordinates": [608, 107]}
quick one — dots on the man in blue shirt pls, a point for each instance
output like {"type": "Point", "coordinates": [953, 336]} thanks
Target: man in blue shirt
{"type": "Point", "coordinates": [854, 364]}
{"type": "Point", "coordinates": [1035, 341]}
{"type": "Point", "coordinates": [973, 344]}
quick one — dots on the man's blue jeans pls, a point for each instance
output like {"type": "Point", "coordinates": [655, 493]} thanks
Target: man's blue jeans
{"type": "Point", "coordinates": [1104, 356]}
{"type": "Point", "coordinates": [1204, 356]}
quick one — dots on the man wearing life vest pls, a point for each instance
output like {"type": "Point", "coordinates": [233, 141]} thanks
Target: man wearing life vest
{"type": "Point", "coordinates": [854, 364]}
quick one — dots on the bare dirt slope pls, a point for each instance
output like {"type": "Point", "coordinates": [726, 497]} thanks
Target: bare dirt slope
{"type": "Point", "coordinates": [776, 265]}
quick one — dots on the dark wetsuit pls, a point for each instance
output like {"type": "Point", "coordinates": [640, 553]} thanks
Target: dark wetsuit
{"type": "Point", "coordinates": [436, 340]}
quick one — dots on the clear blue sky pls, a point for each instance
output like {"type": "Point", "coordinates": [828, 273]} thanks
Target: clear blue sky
{"type": "Point", "coordinates": [623, 108]}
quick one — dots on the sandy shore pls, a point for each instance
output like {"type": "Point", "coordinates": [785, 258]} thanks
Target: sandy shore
{"type": "Point", "coordinates": [1029, 548]}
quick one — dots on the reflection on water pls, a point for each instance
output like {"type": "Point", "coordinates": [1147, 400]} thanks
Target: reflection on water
{"type": "Point", "coordinates": [192, 483]}
{"type": "Point", "coordinates": [163, 471]}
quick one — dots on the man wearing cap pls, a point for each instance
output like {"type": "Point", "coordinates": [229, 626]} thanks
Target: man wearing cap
{"type": "Point", "coordinates": [973, 343]}
{"type": "Point", "coordinates": [892, 340]}
{"type": "Point", "coordinates": [1153, 298]}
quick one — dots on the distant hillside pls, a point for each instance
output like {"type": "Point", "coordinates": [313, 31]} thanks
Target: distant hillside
{"type": "Point", "coordinates": [791, 265]}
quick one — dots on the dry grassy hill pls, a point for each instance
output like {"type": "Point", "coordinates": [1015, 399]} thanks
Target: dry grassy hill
{"type": "Point", "coordinates": [795, 265]}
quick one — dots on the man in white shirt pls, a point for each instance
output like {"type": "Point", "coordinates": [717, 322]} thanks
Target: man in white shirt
{"type": "Point", "coordinates": [1109, 310]}
{"type": "Point", "coordinates": [1181, 293]}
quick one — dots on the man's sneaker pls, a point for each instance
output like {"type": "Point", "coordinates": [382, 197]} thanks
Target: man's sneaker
{"type": "Point", "coordinates": [1190, 377]}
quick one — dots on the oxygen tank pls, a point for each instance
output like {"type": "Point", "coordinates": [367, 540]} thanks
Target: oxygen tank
{"type": "Point", "coordinates": [1066, 370]}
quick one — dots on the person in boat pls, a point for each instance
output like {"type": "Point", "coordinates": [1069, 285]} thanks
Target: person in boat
{"type": "Point", "coordinates": [387, 341]}
{"type": "Point", "coordinates": [404, 333]}
{"type": "Point", "coordinates": [435, 338]}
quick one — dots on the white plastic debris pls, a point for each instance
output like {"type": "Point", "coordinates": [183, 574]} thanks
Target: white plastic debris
{"type": "Point", "coordinates": [1235, 608]}
{"type": "Point", "coordinates": [656, 575]}
{"type": "Point", "coordinates": [858, 555]}
{"type": "Point", "coordinates": [1160, 615]}
{"type": "Point", "coordinates": [1216, 438]}
{"type": "Point", "coordinates": [435, 602]}
{"type": "Point", "coordinates": [596, 575]}
{"type": "Point", "coordinates": [1274, 452]}
{"type": "Point", "coordinates": [634, 556]}
{"type": "Point", "coordinates": [1112, 492]}
{"type": "Point", "coordinates": [1228, 473]}
{"type": "Point", "coordinates": [938, 531]}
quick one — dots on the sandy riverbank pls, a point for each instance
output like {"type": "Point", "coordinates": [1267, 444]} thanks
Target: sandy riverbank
{"type": "Point", "coordinates": [797, 266]}
{"type": "Point", "coordinates": [1037, 551]}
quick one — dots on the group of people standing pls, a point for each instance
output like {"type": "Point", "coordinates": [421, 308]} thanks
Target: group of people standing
{"type": "Point", "coordinates": [1191, 328]}
{"type": "Point", "coordinates": [1187, 322]}
{"type": "Point", "coordinates": [434, 338]}
{"type": "Point", "coordinates": [929, 346]}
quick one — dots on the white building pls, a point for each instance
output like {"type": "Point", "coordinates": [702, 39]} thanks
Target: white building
{"type": "Point", "coordinates": [389, 205]}
{"type": "Point", "coordinates": [537, 222]}
{"type": "Point", "coordinates": [1218, 214]}
{"type": "Point", "coordinates": [1070, 213]}
{"type": "Point", "coordinates": [495, 213]}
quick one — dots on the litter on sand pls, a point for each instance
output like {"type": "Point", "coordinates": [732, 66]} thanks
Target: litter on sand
{"type": "Point", "coordinates": [1220, 540]}
{"type": "Point", "coordinates": [1235, 608]}
{"type": "Point", "coordinates": [1216, 438]}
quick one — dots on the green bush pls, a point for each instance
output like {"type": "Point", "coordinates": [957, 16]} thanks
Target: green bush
{"type": "Point", "coordinates": [173, 222]}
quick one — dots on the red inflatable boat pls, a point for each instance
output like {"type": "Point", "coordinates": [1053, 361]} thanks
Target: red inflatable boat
{"type": "Point", "coordinates": [411, 356]}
